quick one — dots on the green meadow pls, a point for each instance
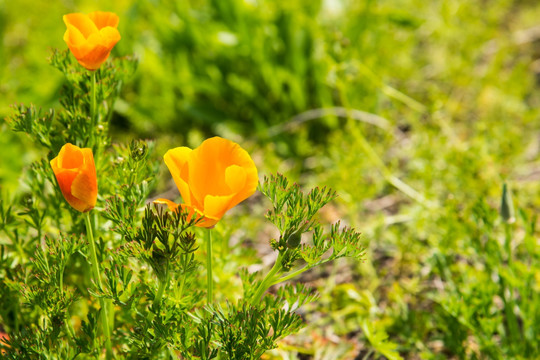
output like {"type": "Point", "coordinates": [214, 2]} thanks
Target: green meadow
{"type": "Point", "coordinates": [423, 116]}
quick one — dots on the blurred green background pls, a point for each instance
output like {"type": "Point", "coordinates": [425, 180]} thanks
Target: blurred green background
{"type": "Point", "coordinates": [415, 111]}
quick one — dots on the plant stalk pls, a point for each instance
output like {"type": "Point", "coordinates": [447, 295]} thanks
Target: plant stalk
{"type": "Point", "coordinates": [97, 277]}
{"type": "Point", "coordinates": [291, 275]}
{"type": "Point", "coordinates": [268, 279]}
{"type": "Point", "coordinates": [209, 282]}
{"type": "Point", "coordinates": [508, 298]}
{"type": "Point", "coordinates": [93, 115]}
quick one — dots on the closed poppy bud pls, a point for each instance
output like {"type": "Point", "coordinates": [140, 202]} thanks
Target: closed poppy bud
{"type": "Point", "coordinates": [212, 178]}
{"type": "Point", "coordinates": [507, 206]}
{"type": "Point", "coordinates": [91, 37]}
{"type": "Point", "coordinates": [75, 172]}
{"type": "Point", "coordinates": [293, 240]}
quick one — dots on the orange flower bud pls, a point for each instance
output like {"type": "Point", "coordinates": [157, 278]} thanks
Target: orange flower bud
{"type": "Point", "coordinates": [91, 37]}
{"type": "Point", "coordinates": [76, 175]}
{"type": "Point", "coordinates": [212, 178]}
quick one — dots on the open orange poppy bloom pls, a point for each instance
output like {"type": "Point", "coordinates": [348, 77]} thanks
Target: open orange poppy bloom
{"type": "Point", "coordinates": [212, 178]}
{"type": "Point", "coordinates": [75, 172]}
{"type": "Point", "coordinates": [91, 37]}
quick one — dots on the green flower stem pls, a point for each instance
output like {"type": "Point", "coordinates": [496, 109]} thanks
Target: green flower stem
{"type": "Point", "coordinates": [96, 275]}
{"type": "Point", "coordinates": [268, 279]}
{"type": "Point", "coordinates": [508, 297]}
{"type": "Point", "coordinates": [291, 275]}
{"type": "Point", "coordinates": [508, 242]}
{"type": "Point", "coordinates": [210, 284]}
{"type": "Point", "coordinates": [93, 112]}
{"type": "Point", "coordinates": [163, 284]}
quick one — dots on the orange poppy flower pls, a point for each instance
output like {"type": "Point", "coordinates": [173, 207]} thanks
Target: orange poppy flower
{"type": "Point", "coordinates": [91, 37]}
{"type": "Point", "coordinates": [75, 172]}
{"type": "Point", "coordinates": [212, 178]}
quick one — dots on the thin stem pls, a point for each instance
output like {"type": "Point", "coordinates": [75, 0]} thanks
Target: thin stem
{"type": "Point", "coordinates": [268, 279]}
{"type": "Point", "coordinates": [507, 292]}
{"type": "Point", "coordinates": [96, 275]}
{"type": "Point", "coordinates": [210, 284]}
{"type": "Point", "coordinates": [291, 275]}
{"type": "Point", "coordinates": [93, 113]}
{"type": "Point", "coordinates": [508, 242]}
{"type": "Point", "coordinates": [163, 284]}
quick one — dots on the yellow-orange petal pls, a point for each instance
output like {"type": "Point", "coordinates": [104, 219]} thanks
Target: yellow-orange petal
{"type": "Point", "coordinates": [222, 154]}
{"type": "Point", "coordinates": [82, 22]}
{"type": "Point", "coordinates": [207, 222]}
{"type": "Point", "coordinates": [235, 178]}
{"type": "Point", "coordinates": [94, 58]}
{"type": "Point", "coordinates": [89, 163]}
{"type": "Point", "coordinates": [110, 36]}
{"type": "Point", "coordinates": [103, 18]}
{"type": "Point", "coordinates": [70, 157]}
{"type": "Point", "coordinates": [65, 179]}
{"type": "Point", "coordinates": [176, 160]}
{"type": "Point", "coordinates": [84, 186]}
{"type": "Point", "coordinates": [170, 204]}
{"type": "Point", "coordinates": [250, 185]}
{"type": "Point", "coordinates": [207, 167]}
{"type": "Point", "coordinates": [216, 206]}
{"type": "Point", "coordinates": [73, 37]}
{"type": "Point", "coordinates": [203, 221]}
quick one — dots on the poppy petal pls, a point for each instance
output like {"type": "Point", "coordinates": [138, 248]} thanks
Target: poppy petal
{"type": "Point", "coordinates": [216, 206]}
{"type": "Point", "coordinates": [70, 157]}
{"type": "Point", "coordinates": [207, 167]}
{"type": "Point", "coordinates": [82, 22]}
{"type": "Point", "coordinates": [110, 36]}
{"type": "Point", "coordinates": [73, 37]}
{"type": "Point", "coordinates": [170, 204]}
{"type": "Point", "coordinates": [84, 188]}
{"type": "Point", "coordinates": [235, 178]}
{"type": "Point", "coordinates": [176, 160]}
{"type": "Point", "coordinates": [104, 18]}
{"type": "Point", "coordinates": [65, 180]}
